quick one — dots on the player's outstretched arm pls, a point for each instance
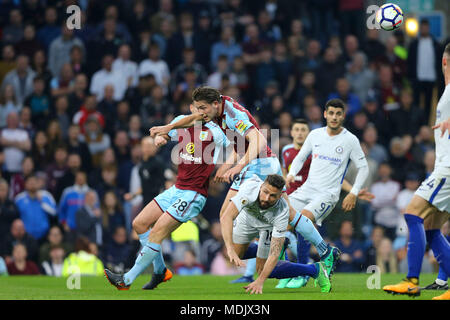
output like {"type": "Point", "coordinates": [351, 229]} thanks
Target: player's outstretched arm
{"type": "Point", "coordinates": [226, 223]}
{"type": "Point", "coordinates": [444, 126]}
{"type": "Point", "coordinates": [185, 122]}
{"type": "Point", "coordinates": [276, 245]}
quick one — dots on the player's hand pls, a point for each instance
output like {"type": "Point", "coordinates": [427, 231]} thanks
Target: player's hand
{"type": "Point", "coordinates": [365, 195]}
{"type": "Point", "coordinates": [349, 202]}
{"type": "Point", "coordinates": [219, 177]}
{"type": "Point", "coordinates": [444, 126]}
{"type": "Point", "coordinates": [254, 288]}
{"type": "Point", "coordinates": [159, 130]}
{"type": "Point", "coordinates": [231, 173]}
{"type": "Point", "coordinates": [234, 259]}
{"type": "Point", "coordinates": [289, 180]}
{"type": "Point", "coordinates": [160, 141]}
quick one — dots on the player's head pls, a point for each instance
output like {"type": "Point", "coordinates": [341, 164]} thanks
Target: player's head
{"type": "Point", "coordinates": [299, 131]}
{"type": "Point", "coordinates": [446, 58]}
{"type": "Point", "coordinates": [207, 101]}
{"type": "Point", "coordinates": [270, 191]}
{"type": "Point", "coordinates": [334, 113]}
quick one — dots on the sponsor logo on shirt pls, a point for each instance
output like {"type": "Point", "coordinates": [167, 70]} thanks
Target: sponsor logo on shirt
{"type": "Point", "coordinates": [241, 126]}
{"type": "Point", "coordinates": [332, 160]}
{"type": "Point", "coordinates": [190, 147]}
{"type": "Point", "coordinates": [190, 157]}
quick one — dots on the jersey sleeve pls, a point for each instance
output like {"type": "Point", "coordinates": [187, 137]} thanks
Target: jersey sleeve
{"type": "Point", "coordinates": [280, 223]}
{"type": "Point", "coordinates": [357, 154]}
{"type": "Point", "coordinates": [248, 193]}
{"type": "Point", "coordinates": [173, 133]}
{"type": "Point", "coordinates": [239, 122]}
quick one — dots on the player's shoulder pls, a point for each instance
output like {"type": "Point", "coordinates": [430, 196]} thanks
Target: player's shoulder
{"type": "Point", "coordinates": [251, 183]}
{"type": "Point", "coordinates": [287, 147]}
{"type": "Point", "coordinates": [350, 136]}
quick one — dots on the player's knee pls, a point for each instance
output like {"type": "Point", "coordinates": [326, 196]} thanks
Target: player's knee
{"type": "Point", "coordinates": [138, 225]}
{"type": "Point", "coordinates": [309, 215]}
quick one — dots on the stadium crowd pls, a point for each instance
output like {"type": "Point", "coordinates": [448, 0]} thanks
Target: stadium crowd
{"type": "Point", "coordinates": [75, 106]}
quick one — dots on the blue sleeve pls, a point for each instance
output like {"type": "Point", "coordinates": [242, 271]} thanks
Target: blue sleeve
{"type": "Point", "coordinates": [173, 133]}
{"type": "Point", "coordinates": [239, 123]}
{"type": "Point", "coordinates": [62, 210]}
{"type": "Point", "coordinates": [49, 204]}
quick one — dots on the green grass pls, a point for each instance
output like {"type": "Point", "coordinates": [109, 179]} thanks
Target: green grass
{"type": "Point", "coordinates": [345, 286]}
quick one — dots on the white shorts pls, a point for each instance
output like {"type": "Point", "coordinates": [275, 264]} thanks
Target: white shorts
{"type": "Point", "coordinates": [436, 190]}
{"type": "Point", "coordinates": [244, 233]}
{"type": "Point", "coordinates": [319, 204]}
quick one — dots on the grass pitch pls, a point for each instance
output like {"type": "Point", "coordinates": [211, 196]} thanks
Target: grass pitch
{"type": "Point", "coordinates": [206, 287]}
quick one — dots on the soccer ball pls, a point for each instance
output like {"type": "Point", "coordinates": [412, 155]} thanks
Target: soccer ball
{"type": "Point", "coordinates": [389, 16]}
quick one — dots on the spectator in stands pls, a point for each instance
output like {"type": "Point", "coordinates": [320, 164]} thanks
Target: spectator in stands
{"type": "Point", "coordinates": [18, 179]}
{"type": "Point", "coordinates": [38, 101]}
{"type": "Point", "coordinates": [125, 66]}
{"type": "Point", "coordinates": [424, 65]}
{"type": "Point", "coordinates": [54, 265]}
{"type": "Point", "coordinates": [13, 32]}
{"type": "Point", "coordinates": [78, 95]}
{"type": "Point", "coordinates": [96, 140]}
{"type": "Point", "coordinates": [360, 77]}
{"type": "Point", "coordinates": [62, 84]}
{"type": "Point", "coordinates": [352, 250]}
{"type": "Point", "coordinates": [375, 150]}
{"type": "Point", "coordinates": [7, 62]}
{"type": "Point", "coordinates": [156, 66]}
{"type": "Point", "coordinates": [189, 266]}
{"type": "Point", "coordinates": [83, 261]}
{"type": "Point", "coordinates": [36, 207]}
{"type": "Point", "coordinates": [77, 60]}
{"type": "Point", "coordinates": [386, 259]}
{"type": "Point", "coordinates": [59, 50]}
{"type": "Point", "coordinates": [21, 78]}
{"type": "Point", "coordinates": [88, 219]}
{"type": "Point", "coordinates": [371, 246]}
{"type": "Point", "coordinates": [41, 151]}
{"type": "Point", "coordinates": [20, 265]}
{"type": "Point", "coordinates": [18, 234]}
{"type": "Point", "coordinates": [39, 66]}
{"type": "Point", "coordinates": [343, 92]}
{"type": "Point", "coordinates": [189, 63]}
{"type": "Point", "coordinates": [55, 237]}
{"type": "Point", "coordinates": [386, 191]}
{"type": "Point", "coordinates": [227, 46]}
{"type": "Point", "coordinates": [50, 30]}
{"type": "Point", "coordinates": [112, 213]}
{"type": "Point", "coordinates": [8, 103]}
{"type": "Point", "coordinates": [28, 45]}
{"type": "Point", "coordinates": [56, 170]}
{"type": "Point", "coordinates": [8, 211]}
{"type": "Point", "coordinates": [107, 76]}
{"type": "Point", "coordinates": [72, 199]}
{"type": "Point", "coordinates": [118, 252]}
{"type": "Point", "coordinates": [15, 143]}
{"type": "Point", "coordinates": [74, 165]}
{"type": "Point", "coordinates": [408, 118]}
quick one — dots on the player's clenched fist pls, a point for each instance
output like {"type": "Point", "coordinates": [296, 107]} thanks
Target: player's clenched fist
{"type": "Point", "coordinates": [289, 179]}
{"type": "Point", "coordinates": [159, 130]}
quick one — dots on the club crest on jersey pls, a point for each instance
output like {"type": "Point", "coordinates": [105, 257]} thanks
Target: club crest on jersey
{"type": "Point", "coordinates": [339, 149]}
{"type": "Point", "coordinates": [190, 148]}
{"type": "Point", "coordinates": [203, 135]}
{"type": "Point", "coordinates": [224, 124]}
{"type": "Point", "coordinates": [241, 126]}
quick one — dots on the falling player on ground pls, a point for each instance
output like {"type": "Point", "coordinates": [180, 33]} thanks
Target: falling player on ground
{"type": "Point", "coordinates": [199, 149]}
{"type": "Point", "coordinates": [258, 210]}
{"type": "Point", "coordinates": [429, 209]}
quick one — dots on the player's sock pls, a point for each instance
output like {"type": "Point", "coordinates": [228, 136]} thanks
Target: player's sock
{"type": "Point", "coordinates": [251, 251]}
{"type": "Point", "coordinates": [250, 269]}
{"type": "Point", "coordinates": [287, 269]}
{"type": "Point", "coordinates": [158, 264]}
{"type": "Point", "coordinates": [303, 248]}
{"type": "Point", "coordinates": [145, 257]}
{"type": "Point", "coordinates": [305, 227]}
{"type": "Point", "coordinates": [441, 249]}
{"type": "Point", "coordinates": [416, 246]}
{"type": "Point", "coordinates": [143, 237]}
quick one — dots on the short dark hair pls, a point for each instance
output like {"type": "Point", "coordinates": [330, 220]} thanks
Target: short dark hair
{"type": "Point", "coordinates": [335, 103]}
{"type": "Point", "coordinates": [299, 121]}
{"type": "Point", "coordinates": [207, 94]}
{"type": "Point", "coordinates": [275, 180]}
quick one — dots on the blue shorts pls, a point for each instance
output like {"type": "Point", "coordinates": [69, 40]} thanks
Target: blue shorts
{"type": "Point", "coordinates": [182, 205]}
{"type": "Point", "coordinates": [262, 167]}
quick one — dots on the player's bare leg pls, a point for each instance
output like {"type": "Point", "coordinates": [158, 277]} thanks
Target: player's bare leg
{"type": "Point", "coordinates": [147, 217]}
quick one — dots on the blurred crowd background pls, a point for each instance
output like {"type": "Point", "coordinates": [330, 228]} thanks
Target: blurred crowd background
{"type": "Point", "coordinates": [75, 105]}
